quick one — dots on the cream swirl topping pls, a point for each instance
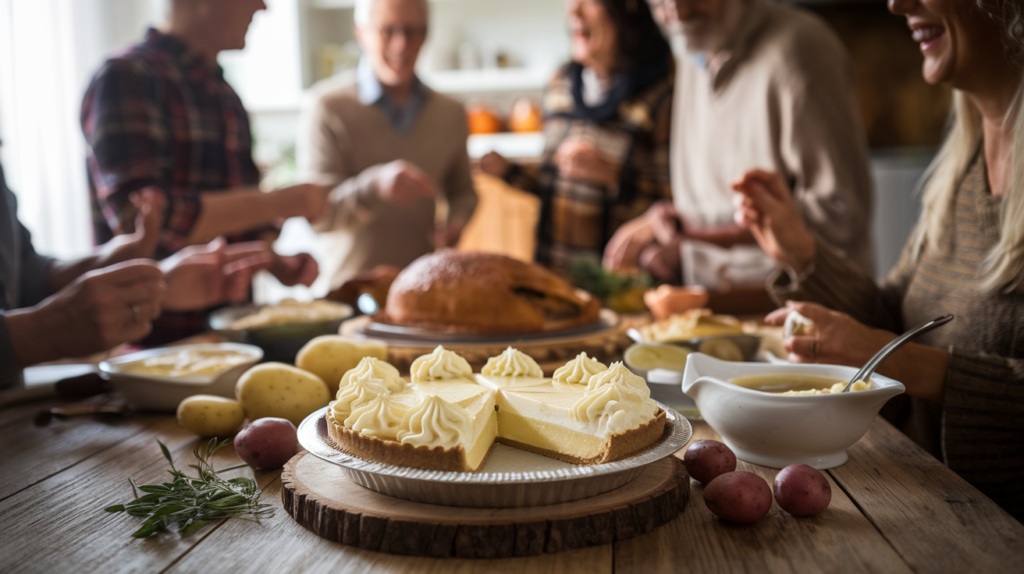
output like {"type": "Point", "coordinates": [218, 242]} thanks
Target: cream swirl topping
{"type": "Point", "coordinates": [381, 417]}
{"type": "Point", "coordinates": [440, 365]}
{"type": "Point", "coordinates": [435, 422]}
{"type": "Point", "coordinates": [374, 368]}
{"type": "Point", "coordinates": [512, 363]}
{"type": "Point", "coordinates": [618, 373]}
{"type": "Point", "coordinates": [578, 371]}
{"type": "Point", "coordinates": [613, 408]}
{"type": "Point", "coordinates": [358, 393]}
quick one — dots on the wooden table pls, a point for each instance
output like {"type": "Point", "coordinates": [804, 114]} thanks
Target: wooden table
{"type": "Point", "coordinates": [894, 509]}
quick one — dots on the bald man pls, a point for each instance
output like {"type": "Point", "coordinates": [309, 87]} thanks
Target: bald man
{"type": "Point", "coordinates": [392, 151]}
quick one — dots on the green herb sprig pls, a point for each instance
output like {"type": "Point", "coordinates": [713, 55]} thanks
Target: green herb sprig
{"type": "Point", "coordinates": [189, 503]}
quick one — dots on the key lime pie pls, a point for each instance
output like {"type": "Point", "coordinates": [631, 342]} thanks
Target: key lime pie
{"type": "Point", "coordinates": [448, 419]}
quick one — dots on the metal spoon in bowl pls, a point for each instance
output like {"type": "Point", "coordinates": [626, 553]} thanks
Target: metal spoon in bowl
{"type": "Point", "coordinates": [868, 369]}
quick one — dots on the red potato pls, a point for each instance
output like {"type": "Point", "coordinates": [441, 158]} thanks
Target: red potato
{"type": "Point", "coordinates": [741, 497]}
{"type": "Point", "coordinates": [267, 443]}
{"type": "Point", "coordinates": [802, 491]}
{"type": "Point", "coordinates": [707, 459]}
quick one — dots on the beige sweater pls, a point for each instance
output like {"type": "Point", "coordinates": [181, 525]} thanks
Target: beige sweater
{"type": "Point", "coordinates": [978, 429]}
{"type": "Point", "coordinates": [343, 143]}
{"type": "Point", "coordinates": [781, 99]}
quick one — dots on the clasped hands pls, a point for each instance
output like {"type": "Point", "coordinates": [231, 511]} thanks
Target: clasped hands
{"type": "Point", "coordinates": [649, 242]}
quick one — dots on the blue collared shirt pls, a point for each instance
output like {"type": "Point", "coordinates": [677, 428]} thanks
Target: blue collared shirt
{"type": "Point", "coordinates": [371, 93]}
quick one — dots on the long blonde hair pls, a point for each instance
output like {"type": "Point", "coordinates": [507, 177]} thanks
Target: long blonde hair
{"type": "Point", "coordinates": [1004, 266]}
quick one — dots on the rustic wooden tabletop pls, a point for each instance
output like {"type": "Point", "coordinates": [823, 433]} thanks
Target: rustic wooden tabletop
{"type": "Point", "coordinates": [894, 509]}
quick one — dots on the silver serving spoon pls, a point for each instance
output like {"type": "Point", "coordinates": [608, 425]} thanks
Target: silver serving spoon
{"type": "Point", "coordinates": [868, 369]}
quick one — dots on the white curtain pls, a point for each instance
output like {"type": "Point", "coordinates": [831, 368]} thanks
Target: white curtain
{"type": "Point", "coordinates": [48, 51]}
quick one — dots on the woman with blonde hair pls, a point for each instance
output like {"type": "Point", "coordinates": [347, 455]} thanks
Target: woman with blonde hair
{"type": "Point", "coordinates": [966, 257]}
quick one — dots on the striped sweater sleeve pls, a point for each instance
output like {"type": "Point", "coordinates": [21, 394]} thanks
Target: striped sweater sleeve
{"type": "Point", "coordinates": [838, 284]}
{"type": "Point", "coordinates": [983, 424]}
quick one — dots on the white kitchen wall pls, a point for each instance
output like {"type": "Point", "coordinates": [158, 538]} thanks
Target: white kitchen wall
{"type": "Point", "coordinates": [49, 50]}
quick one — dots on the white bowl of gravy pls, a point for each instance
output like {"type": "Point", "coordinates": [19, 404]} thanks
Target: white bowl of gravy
{"type": "Point", "coordinates": [745, 404]}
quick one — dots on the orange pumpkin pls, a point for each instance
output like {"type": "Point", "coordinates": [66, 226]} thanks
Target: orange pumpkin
{"type": "Point", "coordinates": [526, 116]}
{"type": "Point", "coordinates": [483, 120]}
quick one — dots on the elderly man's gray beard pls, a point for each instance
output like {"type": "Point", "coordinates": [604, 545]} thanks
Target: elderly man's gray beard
{"type": "Point", "coordinates": [709, 36]}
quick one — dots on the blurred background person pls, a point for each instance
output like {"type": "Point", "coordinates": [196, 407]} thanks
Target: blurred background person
{"type": "Point", "coordinates": [607, 126]}
{"type": "Point", "coordinates": [391, 150]}
{"type": "Point", "coordinates": [966, 258]}
{"type": "Point", "coordinates": [764, 84]}
{"type": "Point", "coordinates": [160, 114]}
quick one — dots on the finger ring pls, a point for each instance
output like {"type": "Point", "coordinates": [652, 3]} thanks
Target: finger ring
{"type": "Point", "coordinates": [135, 313]}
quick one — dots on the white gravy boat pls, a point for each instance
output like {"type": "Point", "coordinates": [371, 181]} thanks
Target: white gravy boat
{"type": "Point", "coordinates": [777, 430]}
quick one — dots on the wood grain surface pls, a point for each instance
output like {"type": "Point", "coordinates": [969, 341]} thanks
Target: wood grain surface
{"type": "Point", "coordinates": [321, 498]}
{"type": "Point", "coordinates": [894, 509]}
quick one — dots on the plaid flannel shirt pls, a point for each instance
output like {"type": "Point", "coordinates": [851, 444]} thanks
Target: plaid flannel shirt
{"type": "Point", "coordinates": [578, 217]}
{"type": "Point", "coordinates": [159, 115]}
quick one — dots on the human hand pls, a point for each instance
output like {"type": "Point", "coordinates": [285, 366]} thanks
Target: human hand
{"type": "Point", "coordinates": [307, 200]}
{"type": "Point", "coordinates": [766, 207]}
{"type": "Point", "coordinates": [96, 312]}
{"type": "Point", "coordinates": [150, 203]}
{"type": "Point", "coordinates": [578, 158]}
{"type": "Point", "coordinates": [447, 235]}
{"type": "Point", "coordinates": [666, 223]}
{"type": "Point", "coordinates": [838, 339]}
{"type": "Point", "coordinates": [202, 276]}
{"type": "Point", "coordinates": [299, 269]}
{"type": "Point", "coordinates": [833, 338]}
{"type": "Point", "coordinates": [495, 164]}
{"type": "Point", "coordinates": [401, 183]}
{"type": "Point", "coordinates": [663, 262]}
{"type": "Point", "coordinates": [288, 269]}
{"type": "Point", "coordinates": [624, 248]}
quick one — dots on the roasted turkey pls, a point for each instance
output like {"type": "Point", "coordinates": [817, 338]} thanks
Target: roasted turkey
{"type": "Point", "coordinates": [485, 293]}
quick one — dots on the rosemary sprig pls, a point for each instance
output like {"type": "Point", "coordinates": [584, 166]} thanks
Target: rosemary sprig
{"type": "Point", "coordinates": [187, 503]}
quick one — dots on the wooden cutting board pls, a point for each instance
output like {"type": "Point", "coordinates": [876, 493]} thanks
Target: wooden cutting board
{"type": "Point", "coordinates": [321, 497]}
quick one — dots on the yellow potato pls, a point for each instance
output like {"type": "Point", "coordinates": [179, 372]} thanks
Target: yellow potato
{"type": "Point", "coordinates": [280, 390]}
{"type": "Point", "coordinates": [331, 356]}
{"type": "Point", "coordinates": [207, 415]}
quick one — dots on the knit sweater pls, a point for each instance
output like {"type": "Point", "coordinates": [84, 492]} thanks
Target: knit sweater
{"type": "Point", "coordinates": [343, 144]}
{"type": "Point", "coordinates": [978, 428]}
{"type": "Point", "coordinates": [779, 97]}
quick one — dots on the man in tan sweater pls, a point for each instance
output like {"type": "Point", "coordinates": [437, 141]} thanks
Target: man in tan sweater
{"type": "Point", "coordinates": [392, 150]}
{"type": "Point", "coordinates": [760, 84]}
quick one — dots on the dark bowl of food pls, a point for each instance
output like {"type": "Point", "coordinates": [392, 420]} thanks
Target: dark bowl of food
{"type": "Point", "coordinates": [281, 329]}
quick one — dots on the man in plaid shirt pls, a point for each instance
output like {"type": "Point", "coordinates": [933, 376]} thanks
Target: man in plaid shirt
{"type": "Point", "coordinates": [160, 114]}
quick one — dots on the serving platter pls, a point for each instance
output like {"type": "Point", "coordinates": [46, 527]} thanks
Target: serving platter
{"type": "Point", "coordinates": [510, 478]}
{"type": "Point", "coordinates": [607, 321]}
{"type": "Point", "coordinates": [605, 342]}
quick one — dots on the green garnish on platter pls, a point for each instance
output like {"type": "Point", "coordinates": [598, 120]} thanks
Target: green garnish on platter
{"type": "Point", "coordinates": [187, 504]}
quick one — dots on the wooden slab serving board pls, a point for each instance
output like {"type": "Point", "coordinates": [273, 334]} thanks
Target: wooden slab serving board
{"type": "Point", "coordinates": [320, 496]}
